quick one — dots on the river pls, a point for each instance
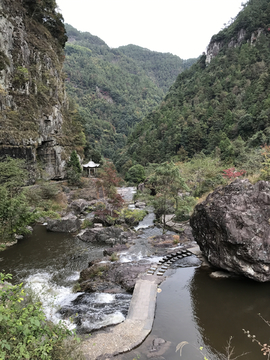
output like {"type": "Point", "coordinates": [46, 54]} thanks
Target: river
{"type": "Point", "coordinates": [191, 306]}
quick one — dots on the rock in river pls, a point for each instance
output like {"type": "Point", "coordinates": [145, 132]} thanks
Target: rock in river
{"type": "Point", "coordinates": [108, 235]}
{"type": "Point", "coordinates": [232, 228]}
{"type": "Point", "coordinates": [112, 277]}
{"type": "Point", "coordinates": [68, 223]}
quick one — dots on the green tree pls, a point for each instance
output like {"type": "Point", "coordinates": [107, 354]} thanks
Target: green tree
{"type": "Point", "coordinates": [167, 182]}
{"type": "Point", "coordinates": [135, 174]}
{"type": "Point", "coordinates": [73, 169]}
{"type": "Point", "coordinates": [15, 214]}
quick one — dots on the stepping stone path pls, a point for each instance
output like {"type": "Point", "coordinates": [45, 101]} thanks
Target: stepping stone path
{"type": "Point", "coordinates": [166, 261]}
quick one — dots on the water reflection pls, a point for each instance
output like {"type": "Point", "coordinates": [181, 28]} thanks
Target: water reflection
{"type": "Point", "coordinates": [206, 312]}
{"type": "Point", "coordinates": [223, 307]}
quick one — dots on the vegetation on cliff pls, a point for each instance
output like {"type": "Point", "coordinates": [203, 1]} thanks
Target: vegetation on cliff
{"type": "Point", "coordinates": [34, 107]}
{"type": "Point", "coordinates": [217, 108]}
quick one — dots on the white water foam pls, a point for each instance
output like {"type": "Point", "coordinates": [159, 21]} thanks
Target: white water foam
{"type": "Point", "coordinates": [104, 298]}
{"type": "Point", "coordinates": [111, 319]}
{"type": "Point", "coordinates": [51, 295]}
{"type": "Point", "coordinates": [125, 257]}
{"type": "Point", "coordinates": [74, 277]}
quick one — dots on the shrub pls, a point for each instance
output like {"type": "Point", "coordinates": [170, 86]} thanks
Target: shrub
{"type": "Point", "coordinates": [135, 174]}
{"type": "Point", "coordinates": [25, 333]}
{"type": "Point", "coordinates": [87, 224]}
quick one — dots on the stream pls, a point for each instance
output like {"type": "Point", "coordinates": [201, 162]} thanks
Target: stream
{"type": "Point", "coordinates": [191, 306]}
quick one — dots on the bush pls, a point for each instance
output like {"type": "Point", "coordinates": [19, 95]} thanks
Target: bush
{"type": "Point", "coordinates": [26, 334]}
{"type": "Point", "coordinates": [135, 174]}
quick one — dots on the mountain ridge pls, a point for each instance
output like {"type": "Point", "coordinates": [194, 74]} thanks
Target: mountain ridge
{"type": "Point", "coordinates": [214, 106]}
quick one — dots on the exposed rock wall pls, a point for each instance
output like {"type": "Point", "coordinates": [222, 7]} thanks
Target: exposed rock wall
{"type": "Point", "coordinates": [215, 46]}
{"type": "Point", "coordinates": [33, 102]}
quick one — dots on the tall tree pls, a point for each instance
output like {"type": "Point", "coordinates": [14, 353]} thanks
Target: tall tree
{"type": "Point", "coordinates": [167, 182]}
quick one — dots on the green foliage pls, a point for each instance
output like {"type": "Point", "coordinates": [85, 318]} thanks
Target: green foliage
{"type": "Point", "coordinates": [113, 89]}
{"type": "Point", "coordinates": [265, 171]}
{"type": "Point", "coordinates": [24, 331]}
{"type": "Point", "coordinates": [218, 107]}
{"type": "Point", "coordinates": [73, 169]}
{"type": "Point", "coordinates": [185, 207]}
{"type": "Point", "coordinates": [167, 182]}
{"type": "Point", "coordinates": [202, 174]}
{"type": "Point", "coordinates": [15, 214]}
{"type": "Point", "coordinates": [87, 224]}
{"type": "Point", "coordinates": [114, 257]}
{"type": "Point", "coordinates": [135, 174]}
{"type": "Point", "coordinates": [44, 12]}
{"type": "Point", "coordinates": [133, 216]}
{"type": "Point", "coordinates": [163, 68]}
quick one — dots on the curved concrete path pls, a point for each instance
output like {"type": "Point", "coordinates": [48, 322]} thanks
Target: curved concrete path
{"type": "Point", "coordinates": [133, 330]}
{"type": "Point", "coordinates": [139, 321]}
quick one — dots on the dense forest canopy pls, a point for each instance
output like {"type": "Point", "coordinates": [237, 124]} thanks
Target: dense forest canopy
{"type": "Point", "coordinates": [221, 106]}
{"type": "Point", "coordinates": [163, 68]}
{"type": "Point", "coordinates": [112, 89]}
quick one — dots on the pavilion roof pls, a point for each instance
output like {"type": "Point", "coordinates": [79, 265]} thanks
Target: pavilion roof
{"type": "Point", "coordinates": [91, 164]}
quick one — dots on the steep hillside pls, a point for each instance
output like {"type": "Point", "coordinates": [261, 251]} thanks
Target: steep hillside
{"type": "Point", "coordinates": [163, 68]}
{"type": "Point", "coordinates": [113, 90]}
{"type": "Point", "coordinates": [221, 104]}
{"type": "Point", "coordinates": [35, 122]}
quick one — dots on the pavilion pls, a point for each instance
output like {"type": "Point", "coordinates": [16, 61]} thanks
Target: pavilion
{"type": "Point", "coordinates": [91, 166]}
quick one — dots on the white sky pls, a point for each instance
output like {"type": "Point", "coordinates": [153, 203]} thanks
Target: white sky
{"type": "Point", "coordinates": [183, 28]}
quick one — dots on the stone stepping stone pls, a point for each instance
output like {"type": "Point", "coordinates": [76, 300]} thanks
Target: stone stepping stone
{"type": "Point", "coordinates": [179, 252]}
{"type": "Point", "coordinates": [174, 254]}
{"type": "Point", "coordinates": [153, 269]}
{"type": "Point", "coordinates": [164, 267]}
{"type": "Point", "coordinates": [150, 272]}
{"type": "Point", "coordinates": [179, 257]}
{"type": "Point", "coordinates": [162, 270]}
{"type": "Point", "coordinates": [189, 253]}
{"type": "Point", "coordinates": [160, 273]}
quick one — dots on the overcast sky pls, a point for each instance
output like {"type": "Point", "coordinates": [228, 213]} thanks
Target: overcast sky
{"type": "Point", "coordinates": [183, 28]}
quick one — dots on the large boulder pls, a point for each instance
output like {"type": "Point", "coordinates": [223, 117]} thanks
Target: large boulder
{"type": "Point", "coordinates": [232, 228]}
{"type": "Point", "coordinates": [78, 206]}
{"type": "Point", "coordinates": [68, 223]}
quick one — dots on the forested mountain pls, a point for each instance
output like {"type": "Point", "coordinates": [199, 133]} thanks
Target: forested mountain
{"type": "Point", "coordinates": [113, 90]}
{"type": "Point", "coordinates": [221, 104]}
{"type": "Point", "coordinates": [162, 68]}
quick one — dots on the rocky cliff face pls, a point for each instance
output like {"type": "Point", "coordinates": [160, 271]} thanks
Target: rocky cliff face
{"type": "Point", "coordinates": [34, 109]}
{"type": "Point", "coordinates": [215, 46]}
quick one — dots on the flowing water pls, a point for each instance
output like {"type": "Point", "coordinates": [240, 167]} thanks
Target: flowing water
{"type": "Point", "coordinates": [191, 306]}
{"type": "Point", "coordinates": [50, 264]}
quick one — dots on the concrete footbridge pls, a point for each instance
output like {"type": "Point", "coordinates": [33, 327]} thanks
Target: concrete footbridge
{"type": "Point", "coordinates": [139, 321]}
